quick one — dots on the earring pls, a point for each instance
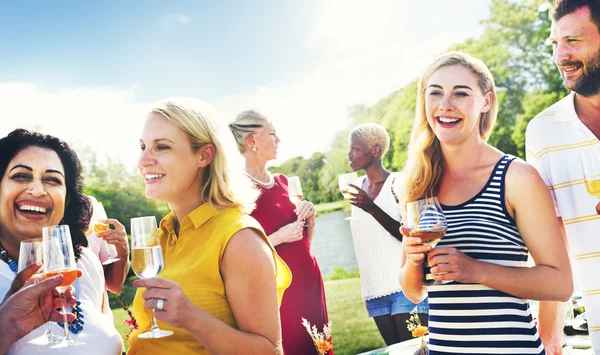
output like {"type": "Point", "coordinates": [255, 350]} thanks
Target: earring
{"type": "Point", "coordinates": [254, 149]}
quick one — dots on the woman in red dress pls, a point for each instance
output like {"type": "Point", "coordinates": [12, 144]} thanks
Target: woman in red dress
{"type": "Point", "coordinates": [290, 229]}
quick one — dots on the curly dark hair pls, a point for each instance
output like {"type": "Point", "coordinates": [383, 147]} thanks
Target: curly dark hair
{"type": "Point", "coordinates": [78, 209]}
{"type": "Point", "coordinates": [562, 8]}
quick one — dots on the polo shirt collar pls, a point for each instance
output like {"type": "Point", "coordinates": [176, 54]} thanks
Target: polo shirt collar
{"type": "Point", "coordinates": [566, 110]}
{"type": "Point", "coordinates": [196, 218]}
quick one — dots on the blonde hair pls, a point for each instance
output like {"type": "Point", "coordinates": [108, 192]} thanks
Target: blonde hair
{"type": "Point", "coordinates": [224, 184]}
{"type": "Point", "coordinates": [373, 134]}
{"type": "Point", "coordinates": [246, 122]}
{"type": "Point", "coordinates": [425, 164]}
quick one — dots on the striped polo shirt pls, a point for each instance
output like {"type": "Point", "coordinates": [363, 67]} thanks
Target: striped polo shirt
{"type": "Point", "coordinates": [554, 140]}
{"type": "Point", "coordinates": [473, 318]}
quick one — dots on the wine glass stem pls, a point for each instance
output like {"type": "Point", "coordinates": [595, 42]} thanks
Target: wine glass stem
{"type": "Point", "coordinates": [154, 324]}
{"type": "Point", "coordinates": [65, 323]}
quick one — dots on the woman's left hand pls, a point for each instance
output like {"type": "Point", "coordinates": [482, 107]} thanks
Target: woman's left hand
{"type": "Point", "coordinates": [305, 210]}
{"type": "Point", "coordinates": [176, 306]}
{"type": "Point", "coordinates": [116, 237]}
{"type": "Point", "coordinates": [453, 265]}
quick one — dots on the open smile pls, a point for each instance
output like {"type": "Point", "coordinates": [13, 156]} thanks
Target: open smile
{"type": "Point", "coordinates": [32, 210]}
{"type": "Point", "coordinates": [448, 122]}
{"type": "Point", "coordinates": [153, 178]}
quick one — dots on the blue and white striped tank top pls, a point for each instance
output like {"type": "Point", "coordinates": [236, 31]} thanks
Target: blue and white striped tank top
{"type": "Point", "coordinates": [472, 318]}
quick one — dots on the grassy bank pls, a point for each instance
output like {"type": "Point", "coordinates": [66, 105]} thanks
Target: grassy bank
{"type": "Point", "coordinates": [353, 331]}
{"type": "Point", "coordinates": [324, 208]}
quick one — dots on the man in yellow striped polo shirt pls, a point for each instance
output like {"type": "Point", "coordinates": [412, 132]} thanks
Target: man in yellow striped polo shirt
{"type": "Point", "coordinates": [555, 140]}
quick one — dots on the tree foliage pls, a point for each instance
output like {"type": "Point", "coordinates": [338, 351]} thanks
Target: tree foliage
{"type": "Point", "coordinates": [514, 45]}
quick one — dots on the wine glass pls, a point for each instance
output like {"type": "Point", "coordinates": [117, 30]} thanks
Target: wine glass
{"type": "Point", "coordinates": [590, 162]}
{"type": "Point", "coordinates": [59, 259]}
{"type": "Point", "coordinates": [30, 252]}
{"type": "Point", "coordinates": [344, 181]}
{"type": "Point", "coordinates": [294, 190]}
{"type": "Point", "coordinates": [100, 226]}
{"type": "Point", "coordinates": [147, 261]}
{"type": "Point", "coordinates": [426, 220]}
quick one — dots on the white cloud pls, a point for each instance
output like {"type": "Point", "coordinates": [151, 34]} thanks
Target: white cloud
{"type": "Point", "coordinates": [363, 50]}
{"type": "Point", "coordinates": [174, 19]}
{"type": "Point", "coordinates": [107, 119]}
{"type": "Point", "coordinates": [366, 51]}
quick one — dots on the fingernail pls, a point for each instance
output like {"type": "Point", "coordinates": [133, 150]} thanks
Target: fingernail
{"type": "Point", "coordinates": [37, 263]}
{"type": "Point", "coordinates": [57, 278]}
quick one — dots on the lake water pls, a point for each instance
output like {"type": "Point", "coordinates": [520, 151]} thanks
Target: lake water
{"type": "Point", "coordinates": [332, 245]}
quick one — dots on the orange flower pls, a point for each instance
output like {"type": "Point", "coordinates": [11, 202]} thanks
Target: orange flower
{"type": "Point", "coordinates": [420, 331]}
{"type": "Point", "coordinates": [324, 346]}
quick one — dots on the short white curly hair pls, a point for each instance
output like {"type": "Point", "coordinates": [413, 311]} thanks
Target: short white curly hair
{"type": "Point", "coordinates": [373, 134]}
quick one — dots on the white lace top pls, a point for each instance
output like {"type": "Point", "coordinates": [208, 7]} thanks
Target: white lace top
{"type": "Point", "coordinates": [378, 253]}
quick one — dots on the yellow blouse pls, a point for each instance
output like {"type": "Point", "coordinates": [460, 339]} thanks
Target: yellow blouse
{"type": "Point", "coordinates": [192, 260]}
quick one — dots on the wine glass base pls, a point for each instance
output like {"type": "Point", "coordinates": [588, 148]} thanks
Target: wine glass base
{"type": "Point", "coordinates": [66, 343]}
{"type": "Point", "coordinates": [110, 261]}
{"type": "Point", "coordinates": [153, 334]}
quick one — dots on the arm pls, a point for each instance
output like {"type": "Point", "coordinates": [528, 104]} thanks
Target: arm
{"type": "Point", "coordinates": [361, 200]}
{"type": "Point", "coordinates": [551, 316]}
{"type": "Point", "coordinates": [411, 274]}
{"type": "Point", "coordinates": [22, 312]}
{"type": "Point", "coordinates": [116, 273]}
{"type": "Point", "coordinates": [287, 234]}
{"type": "Point", "coordinates": [536, 221]}
{"type": "Point", "coordinates": [248, 270]}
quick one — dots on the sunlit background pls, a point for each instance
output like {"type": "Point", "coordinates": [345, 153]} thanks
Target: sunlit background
{"type": "Point", "coordinates": [88, 71]}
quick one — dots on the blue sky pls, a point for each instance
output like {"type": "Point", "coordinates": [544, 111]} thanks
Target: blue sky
{"type": "Point", "coordinates": [191, 48]}
{"type": "Point", "coordinates": [68, 66]}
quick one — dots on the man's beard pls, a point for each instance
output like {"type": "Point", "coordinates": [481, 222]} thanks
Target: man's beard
{"type": "Point", "coordinates": [588, 83]}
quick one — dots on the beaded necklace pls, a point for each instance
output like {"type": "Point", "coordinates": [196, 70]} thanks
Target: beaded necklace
{"type": "Point", "coordinates": [75, 326]}
{"type": "Point", "coordinates": [11, 263]}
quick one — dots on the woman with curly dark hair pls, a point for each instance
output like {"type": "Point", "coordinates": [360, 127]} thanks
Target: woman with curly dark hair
{"type": "Point", "coordinates": [41, 185]}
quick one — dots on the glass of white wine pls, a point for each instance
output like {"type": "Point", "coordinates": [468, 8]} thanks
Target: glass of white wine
{"type": "Point", "coordinates": [147, 261]}
{"type": "Point", "coordinates": [30, 252]}
{"type": "Point", "coordinates": [59, 259]}
{"type": "Point", "coordinates": [427, 221]}
{"type": "Point", "coordinates": [590, 162]}
{"type": "Point", "coordinates": [344, 182]}
{"type": "Point", "coordinates": [294, 190]}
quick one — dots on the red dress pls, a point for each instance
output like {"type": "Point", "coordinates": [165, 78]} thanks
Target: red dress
{"type": "Point", "coordinates": [305, 298]}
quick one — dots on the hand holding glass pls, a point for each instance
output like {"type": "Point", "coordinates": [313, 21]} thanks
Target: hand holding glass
{"type": "Point", "coordinates": [344, 181]}
{"type": "Point", "coordinates": [147, 261]}
{"type": "Point", "coordinates": [426, 220]}
{"type": "Point", "coordinates": [59, 259]}
{"type": "Point", "coordinates": [99, 226]}
{"type": "Point", "coordinates": [31, 252]}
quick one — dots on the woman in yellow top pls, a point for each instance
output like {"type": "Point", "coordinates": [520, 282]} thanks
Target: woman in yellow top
{"type": "Point", "coordinates": [222, 280]}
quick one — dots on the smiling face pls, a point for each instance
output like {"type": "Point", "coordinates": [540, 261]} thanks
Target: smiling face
{"type": "Point", "coordinates": [32, 193]}
{"type": "Point", "coordinates": [360, 156]}
{"type": "Point", "coordinates": [454, 103]}
{"type": "Point", "coordinates": [576, 51]}
{"type": "Point", "coordinates": [170, 167]}
{"type": "Point", "coordinates": [266, 141]}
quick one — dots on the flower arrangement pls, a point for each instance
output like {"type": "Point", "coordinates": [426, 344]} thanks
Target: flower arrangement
{"type": "Point", "coordinates": [418, 331]}
{"type": "Point", "coordinates": [322, 341]}
{"type": "Point", "coordinates": [131, 322]}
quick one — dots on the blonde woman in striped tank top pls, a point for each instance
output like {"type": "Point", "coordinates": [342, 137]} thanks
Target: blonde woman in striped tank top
{"type": "Point", "coordinates": [498, 209]}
